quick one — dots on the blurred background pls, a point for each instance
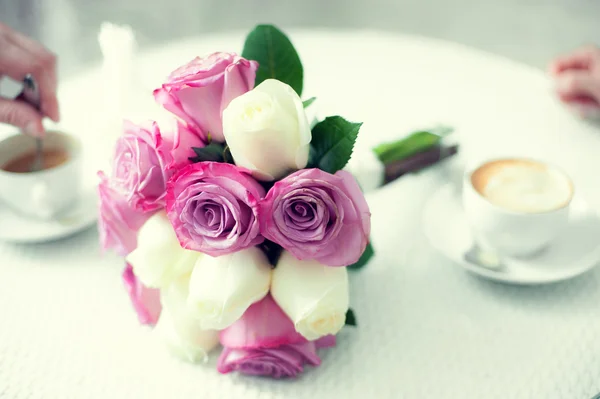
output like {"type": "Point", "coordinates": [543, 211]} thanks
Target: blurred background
{"type": "Point", "coordinates": [529, 31]}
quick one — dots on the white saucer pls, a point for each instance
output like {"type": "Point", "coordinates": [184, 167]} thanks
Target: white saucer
{"type": "Point", "coordinates": [17, 228]}
{"type": "Point", "coordinates": [576, 251]}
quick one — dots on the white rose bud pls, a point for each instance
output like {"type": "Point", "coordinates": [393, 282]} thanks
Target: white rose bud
{"type": "Point", "coordinates": [180, 331]}
{"type": "Point", "coordinates": [159, 258]}
{"type": "Point", "coordinates": [222, 288]}
{"type": "Point", "coordinates": [314, 296]}
{"type": "Point", "coordinates": [270, 117]}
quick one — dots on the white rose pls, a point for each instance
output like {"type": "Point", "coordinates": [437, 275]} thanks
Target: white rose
{"type": "Point", "coordinates": [179, 330]}
{"type": "Point", "coordinates": [222, 288]}
{"type": "Point", "coordinates": [159, 258]}
{"type": "Point", "coordinates": [267, 130]}
{"type": "Point", "coordinates": [314, 296]}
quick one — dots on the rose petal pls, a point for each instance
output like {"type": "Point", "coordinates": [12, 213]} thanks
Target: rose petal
{"type": "Point", "coordinates": [263, 325]}
{"type": "Point", "coordinates": [145, 301]}
{"type": "Point", "coordinates": [328, 341]}
{"type": "Point", "coordinates": [118, 223]}
{"type": "Point", "coordinates": [286, 361]}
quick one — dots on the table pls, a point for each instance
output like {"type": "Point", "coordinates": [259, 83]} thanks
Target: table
{"type": "Point", "coordinates": [426, 328]}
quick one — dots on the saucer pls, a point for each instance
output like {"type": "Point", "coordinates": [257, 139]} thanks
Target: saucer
{"type": "Point", "coordinates": [17, 228]}
{"type": "Point", "coordinates": [574, 252]}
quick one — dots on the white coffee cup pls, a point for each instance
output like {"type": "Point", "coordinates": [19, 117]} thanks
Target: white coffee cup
{"type": "Point", "coordinates": [515, 206]}
{"type": "Point", "coordinates": [42, 194]}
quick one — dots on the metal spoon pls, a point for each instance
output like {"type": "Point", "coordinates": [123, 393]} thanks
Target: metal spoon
{"type": "Point", "coordinates": [31, 95]}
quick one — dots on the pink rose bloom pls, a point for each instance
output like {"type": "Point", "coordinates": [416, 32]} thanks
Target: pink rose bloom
{"type": "Point", "coordinates": [317, 215]}
{"type": "Point", "coordinates": [145, 301]}
{"type": "Point", "coordinates": [199, 91]}
{"type": "Point", "coordinates": [145, 159]}
{"type": "Point", "coordinates": [213, 208]}
{"type": "Point", "coordinates": [264, 342]}
{"type": "Point", "coordinates": [118, 223]}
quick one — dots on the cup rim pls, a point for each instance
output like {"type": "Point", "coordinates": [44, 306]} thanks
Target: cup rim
{"type": "Point", "coordinates": [74, 155]}
{"type": "Point", "coordinates": [469, 172]}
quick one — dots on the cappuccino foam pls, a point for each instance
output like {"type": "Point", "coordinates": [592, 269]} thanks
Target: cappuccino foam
{"type": "Point", "coordinates": [522, 185]}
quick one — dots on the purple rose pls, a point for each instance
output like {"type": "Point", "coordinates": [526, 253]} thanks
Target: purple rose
{"type": "Point", "coordinates": [144, 160]}
{"type": "Point", "coordinates": [118, 223]}
{"type": "Point", "coordinates": [199, 91]}
{"type": "Point", "coordinates": [282, 362]}
{"type": "Point", "coordinates": [264, 342]}
{"type": "Point", "coordinates": [317, 215]}
{"type": "Point", "coordinates": [145, 301]}
{"type": "Point", "coordinates": [213, 208]}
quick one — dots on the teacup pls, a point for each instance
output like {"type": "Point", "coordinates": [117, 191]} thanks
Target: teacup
{"type": "Point", "coordinates": [515, 206]}
{"type": "Point", "coordinates": [45, 193]}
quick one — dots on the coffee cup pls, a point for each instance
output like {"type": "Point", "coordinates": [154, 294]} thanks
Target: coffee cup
{"type": "Point", "coordinates": [46, 192]}
{"type": "Point", "coordinates": [516, 207]}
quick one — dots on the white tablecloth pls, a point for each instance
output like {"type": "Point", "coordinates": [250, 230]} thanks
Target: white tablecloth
{"type": "Point", "coordinates": [426, 328]}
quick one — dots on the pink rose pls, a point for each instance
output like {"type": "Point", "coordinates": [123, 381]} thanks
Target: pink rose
{"type": "Point", "coordinates": [118, 223]}
{"type": "Point", "coordinates": [317, 215]}
{"type": "Point", "coordinates": [263, 325]}
{"type": "Point", "coordinates": [199, 91]}
{"type": "Point", "coordinates": [264, 342]}
{"type": "Point", "coordinates": [213, 208]}
{"type": "Point", "coordinates": [145, 301]}
{"type": "Point", "coordinates": [144, 160]}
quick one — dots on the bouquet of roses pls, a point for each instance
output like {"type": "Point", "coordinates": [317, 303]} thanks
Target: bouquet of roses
{"type": "Point", "coordinates": [238, 222]}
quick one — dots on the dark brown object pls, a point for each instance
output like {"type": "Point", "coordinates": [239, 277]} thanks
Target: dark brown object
{"type": "Point", "coordinates": [419, 161]}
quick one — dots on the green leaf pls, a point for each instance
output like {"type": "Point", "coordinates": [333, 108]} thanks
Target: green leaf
{"type": "Point", "coordinates": [306, 103]}
{"type": "Point", "coordinates": [211, 153]}
{"type": "Point", "coordinates": [364, 258]}
{"type": "Point", "coordinates": [332, 143]}
{"type": "Point", "coordinates": [412, 144]}
{"type": "Point", "coordinates": [350, 318]}
{"type": "Point", "coordinates": [227, 157]}
{"type": "Point", "coordinates": [276, 56]}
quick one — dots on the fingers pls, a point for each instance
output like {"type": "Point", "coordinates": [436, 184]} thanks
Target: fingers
{"type": "Point", "coordinates": [577, 77]}
{"type": "Point", "coordinates": [585, 108]}
{"type": "Point", "coordinates": [581, 101]}
{"type": "Point", "coordinates": [45, 74]}
{"type": "Point", "coordinates": [579, 59]}
{"type": "Point", "coordinates": [21, 115]}
{"type": "Point", "coordinates": [578, 83]}
{"type": "Point", "coordinates": [20, 56]}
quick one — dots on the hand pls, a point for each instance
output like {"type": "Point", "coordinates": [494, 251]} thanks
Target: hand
{"type": "Point", "coordinates": [20, 56]}
{"type": "Point", "coordinates": [578, 77]}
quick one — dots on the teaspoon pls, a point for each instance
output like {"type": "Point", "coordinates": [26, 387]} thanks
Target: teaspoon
{"type": "Point", "coordinates": [31, 96]}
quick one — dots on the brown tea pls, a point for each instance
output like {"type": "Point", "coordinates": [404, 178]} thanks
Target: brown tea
{"type": "Point", "coordinates": [22, 164]}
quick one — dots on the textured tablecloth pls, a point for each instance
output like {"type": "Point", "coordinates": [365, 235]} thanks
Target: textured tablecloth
{"type": "Point", "coordinates": [427, 329]}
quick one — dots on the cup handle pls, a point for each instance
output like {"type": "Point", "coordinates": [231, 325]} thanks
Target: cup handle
{"type": "Point", "coordinates": [41, 200]}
